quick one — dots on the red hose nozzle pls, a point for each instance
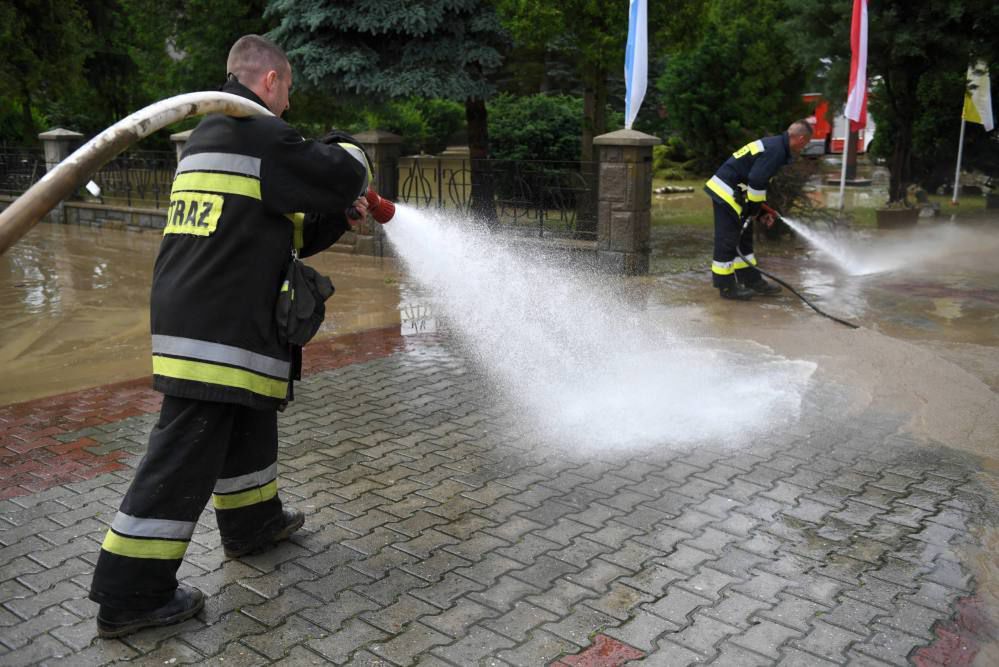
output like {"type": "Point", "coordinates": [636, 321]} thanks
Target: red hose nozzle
{"type": "Point", "coordinates": [381, 209]}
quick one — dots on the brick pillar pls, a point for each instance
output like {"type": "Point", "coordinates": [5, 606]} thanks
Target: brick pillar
{"type": "Point", "coordinates": [384, 149]}
{"type": "Point", "coordinates": [624, 201]}
{"type": "Point", "coordinates": [179, 140]}
{"type": "Point", "coordinates": [58, 143]}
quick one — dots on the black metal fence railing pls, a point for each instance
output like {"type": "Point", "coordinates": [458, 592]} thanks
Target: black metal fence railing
{"type": "Point", "coordinates": [20, 168]}
{"type": "Point", "coordinates": [138, 178]}
{"type": "Point", "coordinates": [543, 198]}
{"type": "Point", "coordinates": [538, 198]}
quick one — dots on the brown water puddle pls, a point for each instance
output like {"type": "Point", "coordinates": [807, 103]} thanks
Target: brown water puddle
{"type": "Point", "coordinates": [74, 306]}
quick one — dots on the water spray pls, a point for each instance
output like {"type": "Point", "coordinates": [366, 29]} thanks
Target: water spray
{"type": "Point", "coordinates": [769, 217]}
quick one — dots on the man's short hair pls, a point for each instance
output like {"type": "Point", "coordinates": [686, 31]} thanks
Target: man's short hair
{"type": "Point", "coordinates": [252, 56]}
{"type": "Point", "coordinates": [800, 128]}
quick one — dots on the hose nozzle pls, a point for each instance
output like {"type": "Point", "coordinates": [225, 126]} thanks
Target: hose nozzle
{"type": "Point", "coordinates": [381, 209]}
{"type": "Point", "coordinates": [769, 215]}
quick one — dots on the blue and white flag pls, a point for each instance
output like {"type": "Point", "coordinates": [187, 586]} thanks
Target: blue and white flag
{"type": "Point", "coordinates": [636, 60]}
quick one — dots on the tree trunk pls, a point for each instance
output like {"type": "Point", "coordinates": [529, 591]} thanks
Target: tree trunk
{"type": "Point", "coordinates": [589, 106]}
{"type": "Point", "coordinates": [482, 200]}
{"type": "Point", "coordinates": [594, 110]}
{"type": "Point", "coordinates": [901, 161]}
{"type": "Point", "coordinates": [30, 132]}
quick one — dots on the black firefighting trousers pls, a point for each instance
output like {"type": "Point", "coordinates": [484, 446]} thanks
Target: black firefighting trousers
{"type": "Point", "coordinates": [727, 265]}
{"type": "Point", "coordinates": [197, 450]}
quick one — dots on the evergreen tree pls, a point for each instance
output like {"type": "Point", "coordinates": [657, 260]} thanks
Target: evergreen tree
{"type": "Point", "coordinates": [385, 49]}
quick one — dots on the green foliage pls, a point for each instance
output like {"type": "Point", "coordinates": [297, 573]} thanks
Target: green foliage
{"type": "Point", "coordinates": [737, 83]}
{"type": "Point", "coordinates": [672, 160]}
{"type": "Point", "coordinates": [44, 45]}
{"type": "Point", "coordinates": [424, 125]}
{"type": "Point", "coordinates": [918, 54]}
{"type": "Point", "coordinates": [536, 127]}
{"type": "Point", "coordinates": [382, 48]}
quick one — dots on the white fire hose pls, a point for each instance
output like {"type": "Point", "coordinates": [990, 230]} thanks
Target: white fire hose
{"type": "Point", "coordinates": [75, 170]}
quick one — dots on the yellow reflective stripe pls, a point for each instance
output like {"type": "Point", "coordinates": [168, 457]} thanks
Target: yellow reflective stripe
{"type": "Point", "coordinates": [757, 195]}
{"type": "Point", "coordinates": [231, 501]}
{"type": "Point", "coordinates": [298, 223]}
{"type": "Point", "coordinates": [133, 548]}
{"type": "Point", "coordinates": [722, 268]}
{"type": "Point", "coordinates": [752, 148]}
{"type": "Point", "coordinates": [227, 183]}
{"type": "Point", "coordinates": [726, 197]}
{"type": "Point", "coordinates": [197, 371]}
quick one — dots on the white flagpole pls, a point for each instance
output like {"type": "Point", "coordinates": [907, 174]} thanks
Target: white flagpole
{"type": "Point", "coordinates": [957, 169]}
{"type": "Point", "coordinates": [846, 156]}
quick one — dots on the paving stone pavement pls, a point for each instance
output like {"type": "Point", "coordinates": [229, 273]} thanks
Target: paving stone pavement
{"type": "Point", "coordinates": [441, 530]}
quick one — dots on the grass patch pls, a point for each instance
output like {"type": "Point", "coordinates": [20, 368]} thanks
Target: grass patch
{"type": "Point", "coordinates": [683, 209]}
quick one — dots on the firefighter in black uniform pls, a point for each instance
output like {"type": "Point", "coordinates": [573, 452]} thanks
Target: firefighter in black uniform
{"type": "Point", "coordinates": [247, 191]}
{"type": "Point", "coordinates": [737, 191]}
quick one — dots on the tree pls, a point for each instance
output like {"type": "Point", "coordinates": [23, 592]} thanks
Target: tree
{"type": "Point", "coordinates": [914, 48]}
{"type": "Point", "coordinates": [588, 38]}
{"type": "Point", "coordinates": [737, 81]}
{"type": "Point", "coordinates": [383, 49]}
{"type": "Point", "coordinates": [44, 45]}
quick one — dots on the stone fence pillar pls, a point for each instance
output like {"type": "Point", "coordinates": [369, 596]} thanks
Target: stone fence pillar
{"type": "Point", "coordinates": [624, 201]}
{"type": "Point", "coordinates": [58, 143]}
{"type": "Point", "coordinates": [179, 140]}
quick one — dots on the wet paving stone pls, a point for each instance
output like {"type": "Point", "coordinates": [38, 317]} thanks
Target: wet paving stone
{"type": "Point", "coordinates": [468, 539]}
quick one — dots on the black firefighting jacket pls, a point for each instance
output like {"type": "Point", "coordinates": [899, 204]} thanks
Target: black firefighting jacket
{"type": "Point", "coordinates": [247, 190]}
{"type": "Point", "coordinates": [752, 167]}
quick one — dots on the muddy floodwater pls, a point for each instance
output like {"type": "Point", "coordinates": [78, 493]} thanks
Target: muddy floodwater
{"type": "Point", "coordinates": [74, 306]}
{"type": "Point", "coordinates": [74, 313]}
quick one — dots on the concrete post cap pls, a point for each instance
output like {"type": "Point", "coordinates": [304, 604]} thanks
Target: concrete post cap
{"type": "Point", "coordinates": [626, 138]}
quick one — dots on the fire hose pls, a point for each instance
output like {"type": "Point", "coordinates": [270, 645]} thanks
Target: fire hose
{"type": "Point", "coordinates": [70, 174]}
{"type": "Point", "coordinates": [774, 216]}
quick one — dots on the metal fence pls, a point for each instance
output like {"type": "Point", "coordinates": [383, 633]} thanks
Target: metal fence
{"type": "Point", "coordinates": [20, 168]}
{"type": "Point", "coordinates": [538, 198]}
{"type": "Point", "coordinates": [543, 198]}
{"type": "Point", "coordinates": [138, 178]}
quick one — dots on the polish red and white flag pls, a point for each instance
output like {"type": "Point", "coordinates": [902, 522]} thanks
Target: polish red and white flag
{"type": "Point", "coordinates": [856, 101]}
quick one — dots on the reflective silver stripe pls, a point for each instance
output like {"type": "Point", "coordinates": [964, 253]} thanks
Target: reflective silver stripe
{"type": "Point", "coordinates": [164, 528]}
{"type": "Point", "coordinates": [722, 265]}
{"type": "Point", "coordinates": [358, 154]}
{"type": "Point", "coordinates": [224, 354]}
{"type": "Point", "coordinates": [249, 481]}
{"type": "Point", "coordinates": [722, 184]}
{"type": "Point", "coordinates": [230, 162]}
{"type": "Point", "coordinates": [758, 193]}
{"type": "Point", "coordinates": [757, 147]}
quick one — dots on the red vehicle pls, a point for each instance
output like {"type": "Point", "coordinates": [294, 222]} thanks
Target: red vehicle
{"type": "Point", "coordinates": [828, 137]}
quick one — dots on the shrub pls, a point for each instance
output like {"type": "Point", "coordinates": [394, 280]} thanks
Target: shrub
{"type": "Point", "coordinates": [536, 127]}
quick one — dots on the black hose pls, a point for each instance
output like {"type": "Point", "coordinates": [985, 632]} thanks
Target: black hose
{"type": "Point", "coordinates": [793, 291]}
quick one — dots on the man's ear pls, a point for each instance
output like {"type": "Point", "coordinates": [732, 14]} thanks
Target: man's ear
{"type": "Point", "coordinates": [270, 78]}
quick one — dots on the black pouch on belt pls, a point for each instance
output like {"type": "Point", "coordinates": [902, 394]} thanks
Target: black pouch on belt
{"type": "Point", "coordinates": [301, 304]}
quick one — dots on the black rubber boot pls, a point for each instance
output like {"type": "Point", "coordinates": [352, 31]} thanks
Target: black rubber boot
{"type": "Point", "coordinates": [187, 601]}
{"type": "Point", "coordinates": [764, 288]}
{"type": "Point", "coordinates": [290, 521]}
{"type": "Point", "coordinates": [736, 293]}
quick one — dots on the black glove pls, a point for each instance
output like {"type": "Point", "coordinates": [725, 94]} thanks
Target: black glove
{"type": "Point", "coordinates": [752, 208]}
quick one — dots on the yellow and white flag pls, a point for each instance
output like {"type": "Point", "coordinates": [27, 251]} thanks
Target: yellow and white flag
{"type": "Point", "coordinates": [978, 99]}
